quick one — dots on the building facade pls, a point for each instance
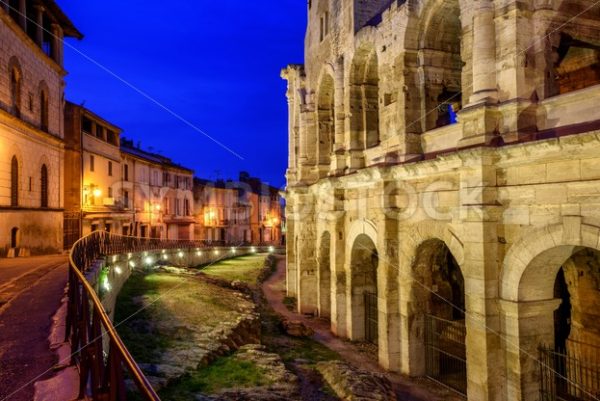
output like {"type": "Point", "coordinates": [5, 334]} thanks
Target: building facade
{"type": "Point", "coordinates": [160, 193]}
{"type": "Point", "coordinates": [96, 197]}
{"type": "Point", "coordinates": [442, 197]}
{"type": "Point", "coordinates": [31, 126]}
{"type": "Point", "coordinates": [245, 211]}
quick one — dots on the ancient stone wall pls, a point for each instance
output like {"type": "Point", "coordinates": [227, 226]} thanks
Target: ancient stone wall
{"type": "Point", "coordinates": [472, 174]}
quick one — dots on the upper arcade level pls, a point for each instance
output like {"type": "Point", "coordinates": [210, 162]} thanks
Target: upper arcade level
{"type": "Point", "coordinates": [44, 24]}
{"type": "Point", "coordinates": [32, 78]}
{"type": "Point", "coordinates": [427, 77]}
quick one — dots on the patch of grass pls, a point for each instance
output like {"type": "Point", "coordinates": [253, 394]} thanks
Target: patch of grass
{"type": "Point", "coordinates": [306, 349]}
{"type": "Point", "coordinates": [225, 373]}
{"type": "Point", "coordinates": [173, 309]}
{"type": "Point", "coordinates": [144, 345]}
{"type": "Point", "coordinates": [246, 269]}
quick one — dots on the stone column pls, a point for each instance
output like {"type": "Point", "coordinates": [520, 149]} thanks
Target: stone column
{"type": "Point", "coordinates": [527, 325]}
{"type": "Point", "coordinates": [338, 277]}
{"type": "Point", "coordinates": [484, 54]}
{"type": "Point", "coordinates": [338, 162]}
{"type": "Point", "coordinates": [306, 262]}
{"type": "Point", "coordinates": [480, 269]}
{"type": "Point", "coordinates": [291, 249]}
{"type": "Point", "coordinates": [39, 20]}
{"type": "Point", "coordinates": [290, 94]}
{"type": "Point", "coordinates": [388, 290]}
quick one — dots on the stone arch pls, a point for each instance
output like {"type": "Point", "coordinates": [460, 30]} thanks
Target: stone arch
{"type": "Point", "coordinates": [325, 117]}
{"type": "Point", "coordinates": [324, 278]}
{"type": "Point", "coordinates": [411, 315]}
{"type": "Point", "coordinates": [364, 98]}
{"type": "Point", "coordinates": [532, 269]}
{"type": "Point", "coordinates": [523, 264]}
{"type": "Point", "coordinates": [571, 49]}
{"type": "Point", "coordinates": [363, 272]}
{"type": "Point", "coordinates": [433, 44]}
{"type": "Point", "coordinates": [436, 310]}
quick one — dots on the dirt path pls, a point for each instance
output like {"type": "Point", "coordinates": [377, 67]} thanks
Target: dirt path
{"type": "Point", "coordinates": [407, 389]}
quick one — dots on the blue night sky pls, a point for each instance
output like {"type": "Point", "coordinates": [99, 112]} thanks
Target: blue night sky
{"type": "Point", "coordinates": [214, 63]}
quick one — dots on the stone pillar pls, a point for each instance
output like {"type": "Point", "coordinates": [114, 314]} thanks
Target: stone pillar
{"type": "Point", "coordinates": [338, 162]}
{"type": "Point", "coordinates": [291, 252]}
{"type": "Point", "coordinates": [39, 20]}
{"type": "Point", "coordinates": [338, 278]}
{"type": "Point", "coordinates": [388, 290]}
{"type": "Point", "coordinates": [480, 270]}
{"type": "Point", "coordinates": [527, 326]}
{"type": "Point", "coordinates": [23, 14]}
{"type": "Point", "coordinates": [306, 253]}
{"type": "Point", "coordinates": [484, 53]}
{"type": "Point", "coordinates": [292, 133]}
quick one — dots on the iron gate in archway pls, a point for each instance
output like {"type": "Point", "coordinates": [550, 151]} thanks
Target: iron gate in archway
{"type": "Point", "coordinates": [371, 317]}
{"type": "Point", "coordinates": [445, 352]}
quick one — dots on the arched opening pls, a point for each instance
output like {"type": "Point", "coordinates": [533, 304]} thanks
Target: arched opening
{"type": "Point", "coordinates": [440, 66]}
{"type": "Point", "coordinates": [14, 182]}
{"type": "Point", "coordinates": [326, 119]}
{"type": "Point", "coordinates": [325, 276]}
{"type": "Point", "coordinates": [364, 100]}
{"type": "Point", "coordinates": [565, 334]}
{"type": "Point", "coordinates": [14, 237]}
{"type": "Point", "coordinates": [574, 60]}
{"type": "Point", "coordinates": [43, 110]}
{"type": "Point", "coordinates": [44, 186]}
{"type": "Point", "coordinates": [364, 261]}
{"type": "Point", "coordinates": [571, 51]}
{"type": "Point", "coordinates": [438, 330]}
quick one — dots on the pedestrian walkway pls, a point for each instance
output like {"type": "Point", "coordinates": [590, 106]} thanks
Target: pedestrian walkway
{"type": "Point", "coordinates": [30, 293]}
{"type": "Point", "coordinates": [407, 389]}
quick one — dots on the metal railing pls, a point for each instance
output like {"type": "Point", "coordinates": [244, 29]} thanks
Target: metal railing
{"type": "Point", "coordinates": [571, 374]}
{"type": "Point", "coordinates": [445, 352]}
{"type": "Point", "coordinates": [103, 365]}
{"type": "Point", "coordinates": [371, 317]}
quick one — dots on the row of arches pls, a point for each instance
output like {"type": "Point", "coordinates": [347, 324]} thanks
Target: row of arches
{"type": "Point", "coordinates": [437, 76]}
{"type": "Point", "coordinates": [561, 280]}
{"type": "Point", "coordinates": [16, 101]}
{"type": "Point", "coordinates": [15, 187]}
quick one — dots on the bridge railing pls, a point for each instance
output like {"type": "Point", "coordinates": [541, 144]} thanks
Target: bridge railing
{"type": "Point", "coordinates": [103, 365]}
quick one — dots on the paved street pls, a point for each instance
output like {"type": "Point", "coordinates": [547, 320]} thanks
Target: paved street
{"type": "Point", "coordinates": [30, 293]}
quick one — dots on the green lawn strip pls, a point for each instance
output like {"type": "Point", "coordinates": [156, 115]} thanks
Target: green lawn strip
{"type": "Point", "coordinates": [225, 373]}
{"type": "Point", "coordinates": [143, 345]}
{"type": "Point", "coordinates": [245, 269]}
{"type": "Point", "coordinates": [184, 301]}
